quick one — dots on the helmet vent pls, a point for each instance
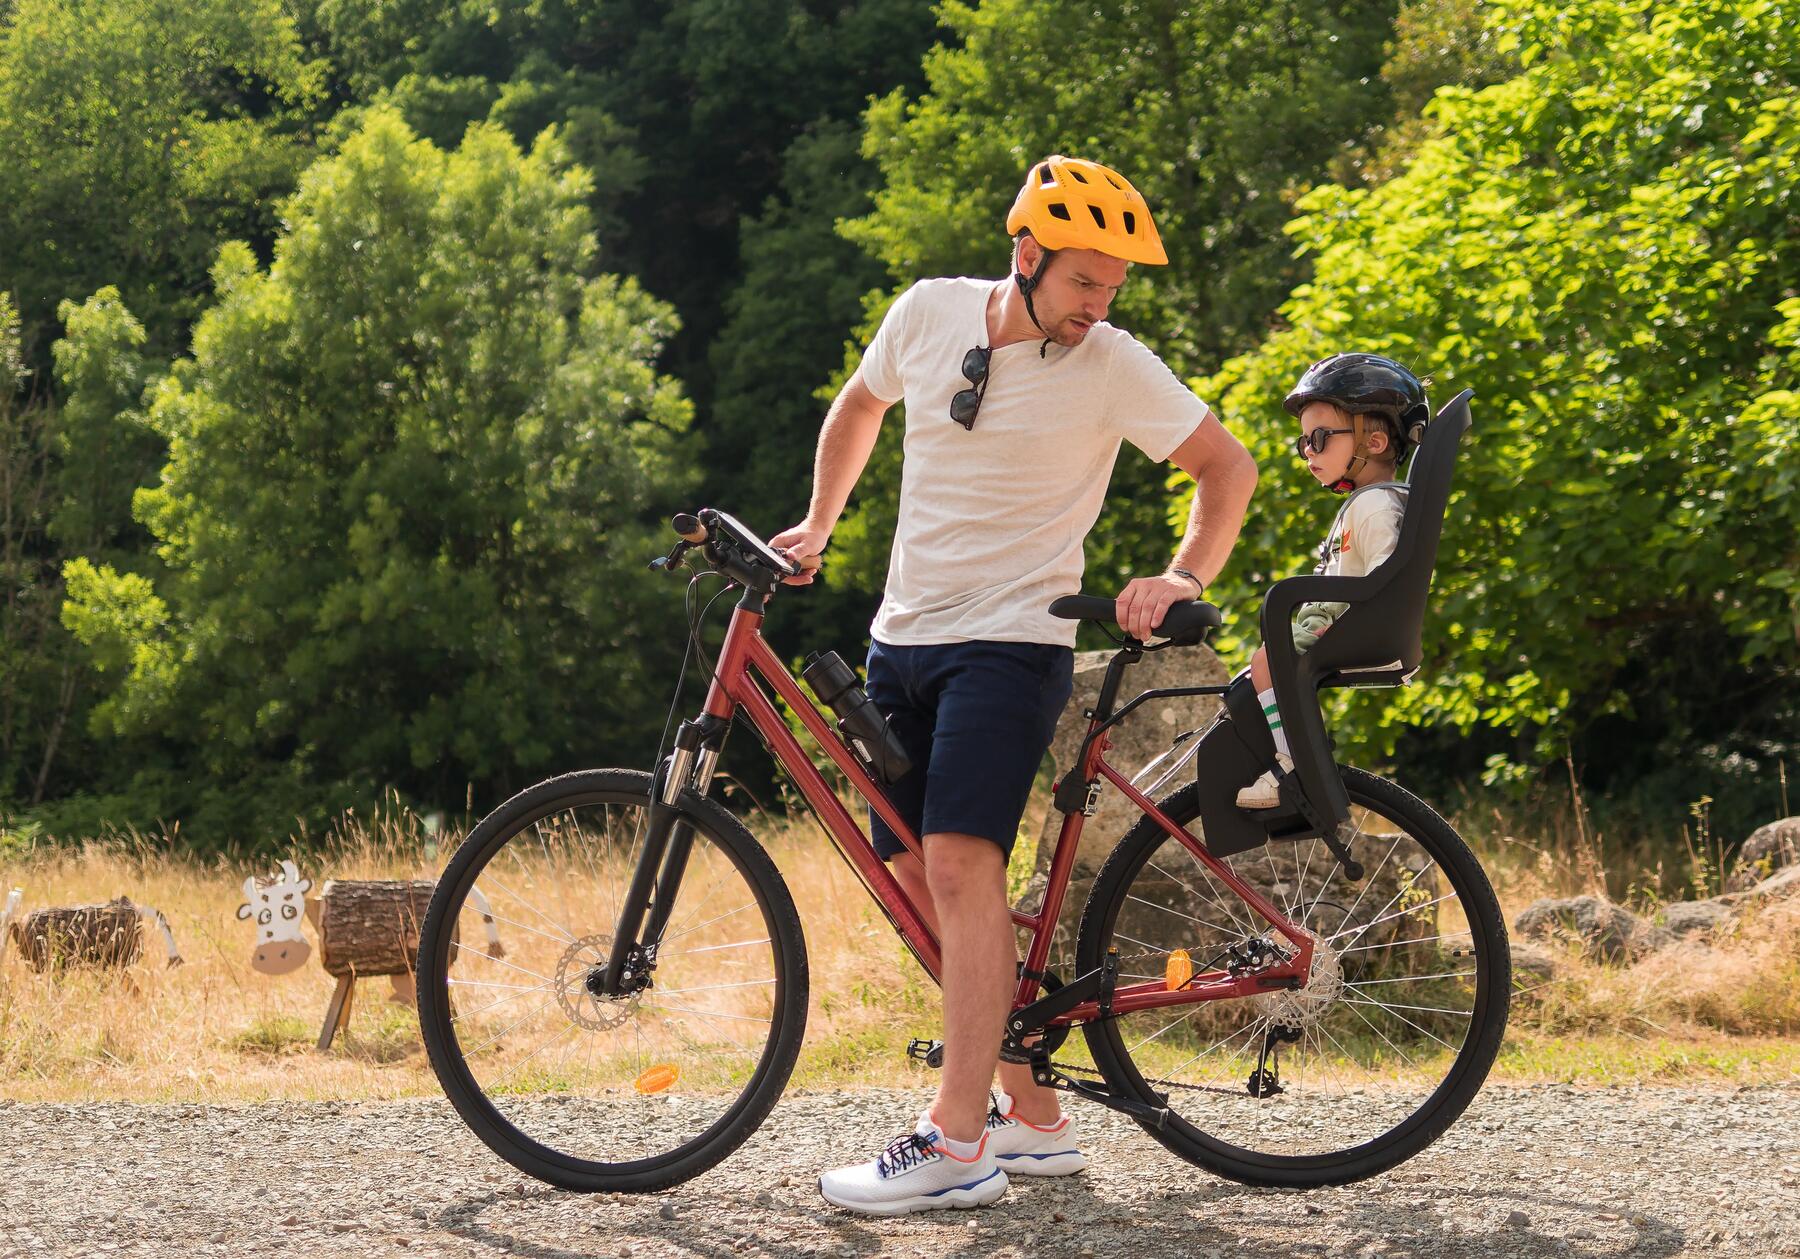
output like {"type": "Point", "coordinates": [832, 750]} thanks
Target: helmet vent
{"type": "Point", "coordinates": [1130, 223]}
{"type": "Point", "coordinates": [1099, 218]}
{"type": "Point", "coordinates": [1059, 211]}
{"type": "Point", "coordinates": [1114, 182]}
{"type": "Point", "coordinates": [1045, 176]}
{"type": "Point", "coordinates": [1077, 175]}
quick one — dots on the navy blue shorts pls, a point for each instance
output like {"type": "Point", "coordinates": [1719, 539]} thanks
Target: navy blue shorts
{"type": "Point", "coordinates": [975, 719]}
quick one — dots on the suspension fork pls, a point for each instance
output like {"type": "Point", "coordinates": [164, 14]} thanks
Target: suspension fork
{"type": "Point", "coordinates": [661, 863]}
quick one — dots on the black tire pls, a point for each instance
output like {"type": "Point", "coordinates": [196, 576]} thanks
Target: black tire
{"type": "Point", "coordinates": [734, 852]}
{"type": "Point", "coordinates": [1231, 1106]}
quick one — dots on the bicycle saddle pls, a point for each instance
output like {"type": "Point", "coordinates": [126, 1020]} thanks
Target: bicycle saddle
{"type": "Point", "coordinates": [1185, 624]}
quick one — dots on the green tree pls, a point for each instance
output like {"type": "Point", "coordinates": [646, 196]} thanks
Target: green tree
{"type": "Point", "coordinates": [67, 472]}
{"type": "Point", "coordinates": [138, 135]}
{"type": "Point", "coordinates": [1216, 112]}
{"type": "Point", "coordinates": [411, 469]}
{"type": "Point", "coordinates": [1601, 247]}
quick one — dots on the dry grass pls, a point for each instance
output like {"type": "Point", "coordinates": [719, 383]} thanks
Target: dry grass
{"type": "Point", "coordinates": [213, 1029]}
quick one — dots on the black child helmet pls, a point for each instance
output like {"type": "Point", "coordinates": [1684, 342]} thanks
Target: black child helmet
{"type": "Point", "coordinates": [1366, 384]}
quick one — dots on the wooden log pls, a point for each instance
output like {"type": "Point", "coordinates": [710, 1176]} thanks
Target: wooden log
{"type": "Point", "coordinates": [371, 927]}
{"type": "Point", "coordinates": [105, 935]}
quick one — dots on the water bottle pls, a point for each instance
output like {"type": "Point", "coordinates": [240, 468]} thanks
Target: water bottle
{"type": "Point", "coordinates": [863, 727]}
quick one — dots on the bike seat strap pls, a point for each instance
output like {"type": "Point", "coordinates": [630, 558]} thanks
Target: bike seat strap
{"type": "Point", "coordinates": [1187, 623]}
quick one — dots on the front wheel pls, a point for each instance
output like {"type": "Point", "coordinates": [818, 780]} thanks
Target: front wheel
{"type": "Point", "coordinates": [1365, 1066]}
{"type": "Point", "coordinates": [590, 1091]}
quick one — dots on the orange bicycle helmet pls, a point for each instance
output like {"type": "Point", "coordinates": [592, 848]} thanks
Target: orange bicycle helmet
{"type": "Point", "coordinates": [1068, 203]}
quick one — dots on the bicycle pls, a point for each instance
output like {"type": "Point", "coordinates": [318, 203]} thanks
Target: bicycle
{"type": "Point", "coordinates": [1301, 998]}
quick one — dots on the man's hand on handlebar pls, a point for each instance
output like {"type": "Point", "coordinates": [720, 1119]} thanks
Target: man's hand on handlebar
{"type": "Point", "coordinates": [1146, 600]}
{"type": "Point", "coordinates": [803, 544]}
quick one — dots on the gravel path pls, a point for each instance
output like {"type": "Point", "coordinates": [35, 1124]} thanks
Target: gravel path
{"type": "Point", "coordinates": [1527, 1172]}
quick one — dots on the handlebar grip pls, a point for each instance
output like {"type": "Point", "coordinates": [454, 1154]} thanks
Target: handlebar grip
{"type": "Point", "coordinates": [689, 529]}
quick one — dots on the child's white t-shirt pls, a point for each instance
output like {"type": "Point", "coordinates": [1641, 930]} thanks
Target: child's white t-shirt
{"type": "Point", "coordinates": [1365, 532]}
{"type": "Point", "coordinates": [992, 518]}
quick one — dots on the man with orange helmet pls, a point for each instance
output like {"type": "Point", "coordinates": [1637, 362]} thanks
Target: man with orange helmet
{"type": "Point", "coordinates": [1018, 395]}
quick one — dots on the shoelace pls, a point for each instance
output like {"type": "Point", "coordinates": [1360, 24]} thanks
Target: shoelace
{"type": "Point", "coordinates": [904, 1152]}
{"type": "Point", "coordinates": [994, 1118]}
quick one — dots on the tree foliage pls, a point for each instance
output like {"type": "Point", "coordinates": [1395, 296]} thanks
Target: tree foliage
{"type": "Point", "coordinates": [1602, 248]}
{"type": "Point", "coordinates": [138, 135]}
{"type": "Point", "coordinates": [409, 470]}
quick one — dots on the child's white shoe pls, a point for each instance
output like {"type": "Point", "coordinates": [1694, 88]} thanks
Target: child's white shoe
{"type": "Point", "coordinates": [1264, 793]}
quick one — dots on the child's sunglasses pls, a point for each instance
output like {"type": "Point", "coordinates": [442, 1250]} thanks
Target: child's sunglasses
{"type": "Point", "coordinates": [968, 401]}
{"type": "Point", "coordinates": [1317, 440]}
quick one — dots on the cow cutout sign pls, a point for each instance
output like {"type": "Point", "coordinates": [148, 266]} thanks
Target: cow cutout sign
{"type": "Point", "coordinates": [366, 927]}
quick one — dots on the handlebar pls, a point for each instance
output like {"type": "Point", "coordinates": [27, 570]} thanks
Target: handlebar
{"type": "Point", "coordinates": [1185, 624]}
{"type": "Point", "coordinates": [732, 548]}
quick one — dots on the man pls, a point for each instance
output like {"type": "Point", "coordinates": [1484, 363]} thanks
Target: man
{"type": "Point", "coordinates": [1017, 397]}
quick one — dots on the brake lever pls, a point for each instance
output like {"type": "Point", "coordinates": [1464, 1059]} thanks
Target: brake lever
{"type": "Point", "coordinates": [677, 553]}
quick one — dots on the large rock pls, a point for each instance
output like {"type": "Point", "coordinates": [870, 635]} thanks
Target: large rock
{"type": "Point", "coordinates": [1769, 849]}
{"type": "Point", "coordinates": [1603, 930]}
{"type": "Point", "coordinates": [1696, 918]}
{"type": "Point", "coordinates": [1142, 737]}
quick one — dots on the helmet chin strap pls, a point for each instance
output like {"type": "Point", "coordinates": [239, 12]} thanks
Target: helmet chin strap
{"type": "Point", "coordinates": [1027, 286]}
{"type": "Point", "coordinates": [1358, 459]}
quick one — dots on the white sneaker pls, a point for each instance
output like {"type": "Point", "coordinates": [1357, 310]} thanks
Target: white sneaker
{"type": "Point", "coordinates": [917, 1173]}
{"type": "Point", "coordinates": [1264, 793]}
{"type": "Point", "coordinates": [1025, 1149]}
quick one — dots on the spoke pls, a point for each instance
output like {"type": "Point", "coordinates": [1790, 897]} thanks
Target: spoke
{"type": "Point", "coordinates": [710, 948]}
{"type": "Point", "coordinates": [500, 961]}
{"type": "Point", "coordinates": [557, 927]}
{"type": "Point", "coordinates": [483, 983]}
{"type": "Point", "coordinates": [707, 1014]}
{"type": "Point", "coordinates": [1378, 921]}
{"type": "Point", "coordinates": [748, 983]}
{"type": "Point", "coordinates": [1369, 880]}
{"type": "Point", "coordinates": [561, 939]}
{"type": "Point", "coordinates": [709, 922]}
{"type": "Point", "coordinates": [1132, 896]}
{"type": "Point", "coordinates": [1422, 1031]}
{"type": "Point", "coordinates": [1411, 979]}
{"type": "Point", "coordinates": [495, 1005]}
{"type": "Point", "coordinates": [1165, 1027]}
{"type": "Point", "coordinates": [517, 1066]}
{"type": "Point", "coordinates": [1214, 897]}
{"type": "Point", "coordinates": [1391, 944]}
{"type": "Point", "coordinates": [1423, 1009]}
{"type": "Point", "coordinates": [1384, 1036]}
{"type": "Point", "coordinates": [705, 898]}
{"type": "Point", "coordinates": [1216, 1046]}
{"type": "Point", "coordinates": [531, 1013]}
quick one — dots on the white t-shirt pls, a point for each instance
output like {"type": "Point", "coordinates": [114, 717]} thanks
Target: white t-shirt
{"type": "Point", "coordinates": [992, 518]}
{"type": "Point", "coordinates": [1364, 533]}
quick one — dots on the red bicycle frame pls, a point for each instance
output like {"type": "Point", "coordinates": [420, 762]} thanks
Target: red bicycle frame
{"type": "Point", "coordinates": [746, 657]}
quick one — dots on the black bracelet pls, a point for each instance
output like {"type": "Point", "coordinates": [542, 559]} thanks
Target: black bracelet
{"type": "Point", "coordinates": [1199, 586]}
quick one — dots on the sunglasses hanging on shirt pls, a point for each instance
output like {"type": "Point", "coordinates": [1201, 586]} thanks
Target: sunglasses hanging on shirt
{"type": "Point", "coordinates": [967, 402]}
{"type": "Point", "coordinates": [1317, 440]}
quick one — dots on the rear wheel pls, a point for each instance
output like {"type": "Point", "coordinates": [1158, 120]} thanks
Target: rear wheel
{"type": "Point", "coordinates": [1394, 1032]}
{"type": "Point", "coordinates": [582, 1090]}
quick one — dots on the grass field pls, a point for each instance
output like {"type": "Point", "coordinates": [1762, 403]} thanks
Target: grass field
{"type": "Point", "coordinates": [213, 1029]}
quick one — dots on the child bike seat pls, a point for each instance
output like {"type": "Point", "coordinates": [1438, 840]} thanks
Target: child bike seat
{"type": "Point", "coordinates": [1375, 642]}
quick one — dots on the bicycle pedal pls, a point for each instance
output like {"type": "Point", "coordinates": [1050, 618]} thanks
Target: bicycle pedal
{"type": "Point", "coordinates": [929, 1052]}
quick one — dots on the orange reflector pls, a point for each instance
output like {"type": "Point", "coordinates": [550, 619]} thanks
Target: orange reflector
{"type": "Point", "coordinates": [657, 1078]}
{"type": "Point", "coordinates": [1177, 970]}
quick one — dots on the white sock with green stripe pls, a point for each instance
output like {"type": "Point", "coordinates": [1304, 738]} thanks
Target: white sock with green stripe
{"type": "Point", "coordinates": [1273, 716]}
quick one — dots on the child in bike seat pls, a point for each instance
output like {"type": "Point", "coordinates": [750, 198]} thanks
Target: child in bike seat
{"type": "Point", "coordinates": [1357, 416]}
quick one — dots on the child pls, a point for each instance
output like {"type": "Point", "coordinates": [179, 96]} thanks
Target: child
{"type": "Point", "coordinates": [1358, 415]}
